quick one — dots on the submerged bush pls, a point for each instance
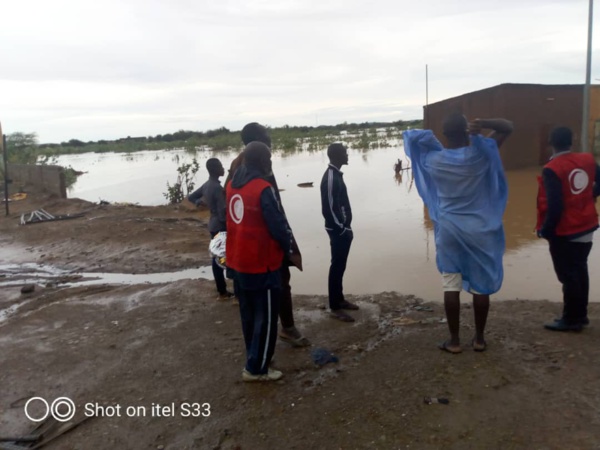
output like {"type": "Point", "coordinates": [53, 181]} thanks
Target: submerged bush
{"type": "Point", "coordinates": [184, 184]}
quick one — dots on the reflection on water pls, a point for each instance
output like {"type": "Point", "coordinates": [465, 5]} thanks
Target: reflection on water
{"type": "Point", "coordinates": [393, 247]}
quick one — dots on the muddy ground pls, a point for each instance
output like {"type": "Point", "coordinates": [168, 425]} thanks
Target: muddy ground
{"type": "Point", "coordinates": [175, 344]}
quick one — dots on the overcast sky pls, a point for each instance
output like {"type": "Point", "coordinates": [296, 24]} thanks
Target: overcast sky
{"type": "Point", "coordinates": [103, 70]}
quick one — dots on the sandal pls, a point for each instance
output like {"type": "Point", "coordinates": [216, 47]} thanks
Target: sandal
{"type": "Point", "coordinates": [477, 347]}
{"type": "Point", "coordinates": [447, 347]}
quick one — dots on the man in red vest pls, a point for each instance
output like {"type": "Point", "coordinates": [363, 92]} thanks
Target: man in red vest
{"type": "Point", "coordinates": [567, 218]}
{"type": "Point", "coordinates": [289, 332]}
{"type": "Point", "coordinates": [258, 237]}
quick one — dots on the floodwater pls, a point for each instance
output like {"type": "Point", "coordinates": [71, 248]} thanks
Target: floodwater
{"type": "Point", "coordinates": [393, 247]}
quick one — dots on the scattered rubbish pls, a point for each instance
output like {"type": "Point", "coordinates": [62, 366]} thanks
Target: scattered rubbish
{"type": "Point", "coordinates": [307, 184]}
{"type": "Point", "coordinates": [28, 289]}
{"type": "Point", "coordinates": [322, 356]}
{"type": "Point", "coordinates": [431, 400]}
{"type": "Point", "coordinates": [126, 204]}
{"type": "Point", "coordinates": [423, 308]}
{"type": "Point", "coordinates": [16, 197]}
{"type": "Point", "coordinates": [434, 320]}
{"type": "Point", "coordinates": [40, 215]}
{"type": "Point", "coordinates": [404, 321]}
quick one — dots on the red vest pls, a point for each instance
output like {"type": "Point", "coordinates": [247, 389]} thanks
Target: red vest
{"type": "Point", "coordinates": [250, 248]}
{"type": "Point", "coordinates": [576, 172]}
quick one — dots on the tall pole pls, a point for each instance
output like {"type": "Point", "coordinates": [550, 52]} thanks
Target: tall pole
{"type": "Point", "coordinates": [5, 160]}
{"type": "Point", "coordinates": [586, 89]}
{"type": "Point", "coordinates": [427, 96]}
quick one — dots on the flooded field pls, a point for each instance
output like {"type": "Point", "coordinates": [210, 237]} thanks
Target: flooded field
{"type": "Point", "coordinates": [393, 248]}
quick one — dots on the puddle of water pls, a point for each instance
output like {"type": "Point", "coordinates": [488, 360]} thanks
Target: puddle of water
{"type": "Point", "coordinates": [152, 278]}
{"type": "Point", "coordinates": [393, 247]}
{"type": "Point", "coordinates": [30, 273]}
{"type": "Point", "coordinates": [7, 312]}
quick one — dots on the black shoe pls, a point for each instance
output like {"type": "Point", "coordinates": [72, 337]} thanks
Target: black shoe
{"type": "Point", "coordinates": [585, 322]}
{"type": "Point", "coordinates": [341, 315]}
{"type": "Point", "coordinates": [561, 325]}
{"type": "Point", "coordinates": [226, 295]}
{"type": "Point", "coordinates": [347, 305]}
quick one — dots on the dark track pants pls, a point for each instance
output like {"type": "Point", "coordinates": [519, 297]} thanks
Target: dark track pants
{"type": "Point", "coordinates": [218, 274]}
{"type": "Point", "coordinates": [340, 248]}
{"type": "Point", "coordinates": [259, 310]}
{"type": "Point", "coordinates": [570, 264]}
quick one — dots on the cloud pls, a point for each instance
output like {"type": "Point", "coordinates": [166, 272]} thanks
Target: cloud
{"type": "Point", "coordinates": [91, 70]}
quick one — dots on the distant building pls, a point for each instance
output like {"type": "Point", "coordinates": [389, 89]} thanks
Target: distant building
{"type": "Point", "coordinates": [534, 109]}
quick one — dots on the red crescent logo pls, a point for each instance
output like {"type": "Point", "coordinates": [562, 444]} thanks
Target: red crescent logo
{"type": "Point", "coordinates": [578, 181]}
{"type": "Point", "coordinates": [236, 208]}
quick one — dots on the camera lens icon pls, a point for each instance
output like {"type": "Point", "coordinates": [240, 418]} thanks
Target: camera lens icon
{"type": "Point", "coordinates": [56, 409]}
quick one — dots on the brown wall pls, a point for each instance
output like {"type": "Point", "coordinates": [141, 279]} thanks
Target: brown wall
{"type": "Point", "coordinates": [534, 109]}
{"type": "Point", "coordinates": [49, 179]}
{"type": "Point", "coordinates": [594, 124]}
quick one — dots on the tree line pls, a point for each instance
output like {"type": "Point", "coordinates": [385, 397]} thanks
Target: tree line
{"type": "Point", "coordinates": [24, 147]}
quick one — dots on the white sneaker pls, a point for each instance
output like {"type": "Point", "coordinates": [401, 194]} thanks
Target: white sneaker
{"type": "Point", "coordinates": [271, 375]}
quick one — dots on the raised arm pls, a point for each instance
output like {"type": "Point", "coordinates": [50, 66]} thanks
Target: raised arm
{"type": "Point", "coordinates": [501, 128]}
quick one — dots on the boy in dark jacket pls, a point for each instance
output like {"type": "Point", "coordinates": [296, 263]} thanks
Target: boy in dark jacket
{"type": "Point", "coordinates": [212, 195]}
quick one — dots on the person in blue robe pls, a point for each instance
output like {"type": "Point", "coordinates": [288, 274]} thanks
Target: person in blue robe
{"type": "Point", "coordinates": [464, 188]}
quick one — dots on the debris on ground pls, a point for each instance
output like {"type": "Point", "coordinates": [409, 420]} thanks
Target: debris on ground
{"type": "Point", "coordinates": [432, 400]}
{"type": "Point", "coordinates": [41, 215]}
{"type": "Point", "coordinates": [434, 320]}
{"type": "Point", "coordinates": [28, 289]}
{"type": "Point", "coordinates": [322, 356]}
{"type": "Point", "coordinates": [404, 321]}
{"type": "Point", "coordinates": [423, 308]}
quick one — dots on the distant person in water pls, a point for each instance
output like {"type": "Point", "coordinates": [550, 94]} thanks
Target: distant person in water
{"type": "Point", "coordinates": [398, 166]}
{"type": "Point", "coordinates": [289, 333]}
{"type": "Point", "coordinates": [212, 195]}
{"type": "Point", "coordinates": [567, 218]}
{"type": "Point", "coordinates": [464, 188]}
